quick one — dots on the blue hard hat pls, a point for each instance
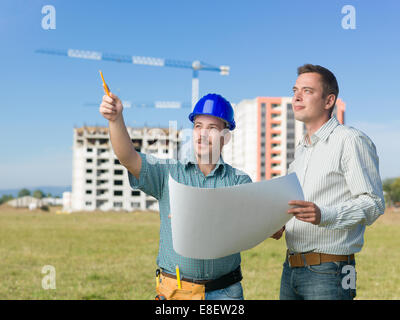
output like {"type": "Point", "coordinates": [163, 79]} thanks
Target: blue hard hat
{"type": "Point", "coordinates": [214, 105]}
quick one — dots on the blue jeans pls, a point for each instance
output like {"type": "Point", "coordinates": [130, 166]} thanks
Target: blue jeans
{"type": "Point", "coordinates": [327, 281]}
{"type": "Point", "coordinates": [233, 292]}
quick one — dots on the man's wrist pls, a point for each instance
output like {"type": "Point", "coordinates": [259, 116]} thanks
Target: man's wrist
{"type": "Point", "coordinates": [328, 216]}
{"type": "Point", "coordinates": [117, 120]}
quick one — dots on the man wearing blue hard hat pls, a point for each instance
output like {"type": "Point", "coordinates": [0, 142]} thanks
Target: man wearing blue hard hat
{"type": "Point", "coordinates": [213, 119]}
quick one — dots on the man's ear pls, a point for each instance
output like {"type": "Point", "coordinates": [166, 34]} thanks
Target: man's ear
{"type": "Point", "coordinates": [226, 135]}
{"type": "Point", "coordinates": [330, 101]}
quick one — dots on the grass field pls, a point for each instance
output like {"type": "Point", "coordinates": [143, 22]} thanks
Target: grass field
{"type": "Point", "coordinates": [112, 256]}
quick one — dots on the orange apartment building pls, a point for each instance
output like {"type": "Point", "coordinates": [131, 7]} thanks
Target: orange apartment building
{"type": "Point", "coordinates": [266, 135]}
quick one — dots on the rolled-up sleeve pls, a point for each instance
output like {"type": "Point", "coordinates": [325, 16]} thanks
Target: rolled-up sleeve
{"type": "Point", "coordinates": [361, 171]}
{"type": "Point", "coordinates": [152, 176]}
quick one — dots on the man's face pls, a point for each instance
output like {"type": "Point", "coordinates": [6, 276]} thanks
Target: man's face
{"type": "Point", "coordinates": [208, 138]}
{"type": "Point", "coordinates": [308, 102]}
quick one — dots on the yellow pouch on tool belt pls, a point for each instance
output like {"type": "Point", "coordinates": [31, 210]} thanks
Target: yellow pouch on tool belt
{"type": "Point", "coordinates": [168, 288]}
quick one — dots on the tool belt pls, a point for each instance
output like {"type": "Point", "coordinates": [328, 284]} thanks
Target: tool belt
{"type": "Point", "coordinates": [167, 286]}
{"type": "Point", "coordinates": [314, 258]}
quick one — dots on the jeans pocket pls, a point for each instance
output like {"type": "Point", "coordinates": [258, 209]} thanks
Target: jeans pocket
{"type": "Point", "coordinates": [332, 268]}
{"type": "Point", "coordinates": [234, 291]}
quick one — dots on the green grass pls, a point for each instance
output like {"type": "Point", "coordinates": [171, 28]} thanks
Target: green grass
{"type": "Point", "coordinates": [112, 256]}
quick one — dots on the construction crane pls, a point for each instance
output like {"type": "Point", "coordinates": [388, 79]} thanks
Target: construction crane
{"type": "Point", "coordinates": [146, 105]}
{"type": "Point", "coordinates": [196, 65]}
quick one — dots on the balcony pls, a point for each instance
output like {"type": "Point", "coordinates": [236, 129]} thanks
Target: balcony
{"type": "Point", "coordinates": [103, 184]}
{"type": "Point", "coordinates": [276, 142]}
{"type": "Point", "coordinates": [103, 153]}
{"type": "Point", "coordinates": [102, 193]}
{"type": "Point", "coordinates": [103, 174]}
{"type": "Point", "coordinates": [276, 158]}
{"type": "Point", "coordinates": [275, 151]}
{"type": "Point", "coordinates": [103, 163]}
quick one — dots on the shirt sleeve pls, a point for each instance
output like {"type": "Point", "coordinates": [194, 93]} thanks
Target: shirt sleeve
{"type": "Point", "coordinates": [361, 171]}
{"type": "Point", "coordinates": [242, 177]}
{"type": "Point", "coordinates": [153, 175]}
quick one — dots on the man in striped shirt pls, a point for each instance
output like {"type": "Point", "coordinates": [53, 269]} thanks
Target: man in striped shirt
{"type": "Point", "coordinates": [213, 279]}
{"type": "Point", "coordinates": [338, 170]}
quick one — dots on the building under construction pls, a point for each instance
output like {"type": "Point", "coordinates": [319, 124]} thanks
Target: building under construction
{"type": "Point", "coordinates": [100, 182]}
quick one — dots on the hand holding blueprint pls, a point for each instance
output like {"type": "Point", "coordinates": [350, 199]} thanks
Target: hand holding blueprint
{"type": "Point", "coordinates": [214, 223]}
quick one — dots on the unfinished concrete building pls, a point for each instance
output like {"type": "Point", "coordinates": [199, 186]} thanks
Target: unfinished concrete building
{"type": "Point", "coordinates": [100, 182]}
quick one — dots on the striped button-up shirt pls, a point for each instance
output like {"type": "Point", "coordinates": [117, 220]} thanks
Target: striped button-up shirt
{"type": "Point", "coordinates": [338, 171]}
{"type": "Point", "coordinates": [153, 180]}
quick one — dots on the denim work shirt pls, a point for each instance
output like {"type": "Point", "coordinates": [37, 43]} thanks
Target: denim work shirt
{"type": "Point", "coordinates": [153, 181]}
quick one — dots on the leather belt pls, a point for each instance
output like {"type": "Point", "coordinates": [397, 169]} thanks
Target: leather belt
{"type": "Point", "coordinates": [314, 258]}
{"type": "Point", "coordinates": [216, 284]}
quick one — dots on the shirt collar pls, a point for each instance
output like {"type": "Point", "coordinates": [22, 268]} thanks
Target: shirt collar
{"type": "Point", "coordinates": [322, 133]}
{"type": "Point", "coordinates": [190, 159]}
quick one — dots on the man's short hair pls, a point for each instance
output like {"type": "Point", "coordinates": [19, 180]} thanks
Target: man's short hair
{"type": "Point", "coordinates": [329, 82]}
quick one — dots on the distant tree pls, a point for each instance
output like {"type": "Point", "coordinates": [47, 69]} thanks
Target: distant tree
{"type": "Point", "coordinates": [5, 198]}
{"type": "Point", "coordinates": [395, 190]}
{"type": "Point", "coordinates": [387, 188]}
{"type": "Point", "coordinates": [24, 192]}
{"type": "Point", "coordinates": [49, 195]}
{"type": "Point", "coordinates": [391, 187]}
{"type": "Point", "coordinates": [38, 194]}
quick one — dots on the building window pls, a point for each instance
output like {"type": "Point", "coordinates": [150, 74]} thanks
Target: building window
{"type": "Point", "coordinates": [101, 161]}
{"type": "Point", "coordinates": [88, 191]}
{"type": "Point", "coordinates": [117, 204]}
{"type": "Point", "coordinates": [118, 182]}
{"type": "Point", "coordinates": [116, 161]}
{"type": "Point", "coordinates": [149, 203]}
{"type": "Point", "coordinates": [88, 181]}
{"type": "Point", "coordinates": [103, 141]}
{"type": "Point", "coordinates": [290, 135]}
{"type": "Point", "coordinates": [89, 170]}
{"type": "Point", "coordinates": [100, 182]}
{"type": "Point", "coordinates": [118, 193]}
{"type": "Point", "coordinates": [135, 205]}
{"type": "Point", "coordinates": [89, 149]}
{"type": "Point", "coordinates": [135, 193]}
{"type": "Point", "coordinates": [88, 203]}
{"type": "Point", "coordinates": [89, 160]}
{"type": "Point", "coordinates": [118, 172]}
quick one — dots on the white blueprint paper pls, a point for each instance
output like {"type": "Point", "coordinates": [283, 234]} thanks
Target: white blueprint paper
{"type": "Point", "coordinates": [213, 223]}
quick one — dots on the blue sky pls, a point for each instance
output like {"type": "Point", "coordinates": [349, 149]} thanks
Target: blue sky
{"type": "Point", "coordinates": [43, 97]}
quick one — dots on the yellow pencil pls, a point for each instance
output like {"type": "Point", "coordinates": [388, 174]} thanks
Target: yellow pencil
{"type": "Point", "coordinates": [178, 277]}
{"type": "Point", "coordinates": [106, 89]}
